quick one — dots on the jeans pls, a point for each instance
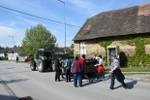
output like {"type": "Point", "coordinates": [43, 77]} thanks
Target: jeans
{"type": "Point", "coordinates": [77, 78]}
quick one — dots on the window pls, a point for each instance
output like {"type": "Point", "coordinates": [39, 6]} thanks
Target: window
{"type": "Point", "coordinates": [82, 48]}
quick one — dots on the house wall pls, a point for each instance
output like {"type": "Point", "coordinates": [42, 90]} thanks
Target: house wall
{"type": "Point", "coordinates": [76, 48]}
{"type": "Point", "coordinates": [95, 49]}
{"type": "Point", "coordinates": [147, 49]}
{"type": "Point", "coordinates": [134, 48]}
{"type": "Point", "coordinates": [92, 48]}
{"type": "Point", "coordinates": [129, 50]}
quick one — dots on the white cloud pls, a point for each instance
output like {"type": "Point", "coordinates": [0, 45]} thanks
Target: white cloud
{"type": "Point", "coordinates": [84, 5]}
{"type": "Point", "coordinates": [10, 36]}
{"type": "Point", "coordinates": [7, 31]}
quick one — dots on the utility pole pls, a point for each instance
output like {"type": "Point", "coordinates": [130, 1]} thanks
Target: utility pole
{"type": "Point", "coordinates": [64, 3]}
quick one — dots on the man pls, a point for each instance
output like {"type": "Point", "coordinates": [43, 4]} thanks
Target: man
{"type": "Point", "coordinates": [57, 70]}
{"type": "Point", "coordinates": [116, 73]}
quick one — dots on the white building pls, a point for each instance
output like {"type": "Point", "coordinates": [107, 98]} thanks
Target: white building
{"type": "Point", "coordinates": [12, 56]}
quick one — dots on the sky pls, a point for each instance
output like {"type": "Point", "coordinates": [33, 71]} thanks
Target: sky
{"type": "Point", "coordinates": [13, 25]}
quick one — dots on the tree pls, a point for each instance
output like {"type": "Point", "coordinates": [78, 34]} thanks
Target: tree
{"type": "Point", "coordinates": [35, 38]}
{"type": "Point", "coordinates": [6, 53]}
{"type": "Point", "coordinates": [69, 52]}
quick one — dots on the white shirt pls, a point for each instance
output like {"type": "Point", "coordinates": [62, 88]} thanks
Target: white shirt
{"type": "Point", "coordinates": [100, 61]}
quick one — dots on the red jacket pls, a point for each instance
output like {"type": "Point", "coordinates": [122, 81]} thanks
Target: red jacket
{"type": "Point", "coordinates": [82, 63]}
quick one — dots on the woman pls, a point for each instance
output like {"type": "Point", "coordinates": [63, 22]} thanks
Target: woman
{"type": "Point", "coordinates": [100, 68]}
{"type": "Point", "coordinates": [76, 70]}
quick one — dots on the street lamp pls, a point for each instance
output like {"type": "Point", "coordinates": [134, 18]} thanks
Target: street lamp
{"type": "Point", "coordinates": [63, 2]}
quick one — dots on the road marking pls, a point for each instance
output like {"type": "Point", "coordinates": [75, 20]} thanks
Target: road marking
{"type": "Point", "coordinates": [8, 89]}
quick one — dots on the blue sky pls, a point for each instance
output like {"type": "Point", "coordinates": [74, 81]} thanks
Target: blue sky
{"type": "Point", "coordinates": [13, 25]}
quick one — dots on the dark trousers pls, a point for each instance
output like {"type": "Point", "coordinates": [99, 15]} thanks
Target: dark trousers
{"type": "Point", "coordinates": [118, 77]}
{"type": "Point", "coordinates": [57, 76]}
{"type": "Point", "coordinates": [68, 75]}
{"type": "Point", "coordinates": [77, 77]}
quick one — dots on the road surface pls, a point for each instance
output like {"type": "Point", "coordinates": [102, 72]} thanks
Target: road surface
{"type": "Point", "coordinates": [20, 81]}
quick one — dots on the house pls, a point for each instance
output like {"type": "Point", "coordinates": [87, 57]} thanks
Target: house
{"type": "Point", "coordinates": [12, 53]}
{"type": "Point", "coordinates": [128, 28]}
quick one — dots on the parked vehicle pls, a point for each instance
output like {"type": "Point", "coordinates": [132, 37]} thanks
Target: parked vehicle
{"type": "Point", "coordinates": [90, 70]}
{"type": "Point", "coordinates": [42, 61]}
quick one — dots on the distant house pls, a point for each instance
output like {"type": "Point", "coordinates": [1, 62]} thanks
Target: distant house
{"type": "Point", "coordinates": [128, 28]}
{"type": "Point", "coordinates": [13, 53]}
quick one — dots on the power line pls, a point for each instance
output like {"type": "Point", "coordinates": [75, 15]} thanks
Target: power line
{"type": "Point", "coordinates": [35, 16]}
{"type": "Point", "coordinates": [61, 1]}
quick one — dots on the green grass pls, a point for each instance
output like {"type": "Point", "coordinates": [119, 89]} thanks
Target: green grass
{"type": "Point", "coordinates": [136, 69]}
{"type": "Point", "coordinates": [132, 69]}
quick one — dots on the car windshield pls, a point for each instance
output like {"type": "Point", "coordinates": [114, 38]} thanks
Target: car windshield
{"type": "Point", "coordinates": [44, 53]}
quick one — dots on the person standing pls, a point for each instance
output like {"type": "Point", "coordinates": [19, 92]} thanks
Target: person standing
{"type": "Point", "coordinates": [17, 59]}
{"type": "Point", "coordinates": [76, 70]}
{"type": "Point", "coordinates": [100, 68]}
{"type": "Point", "coordinates": [83, 65]}
{"type": "Point", "coordinates": [116, 73]}
{"type": "Point", "coordinates": [57, 69]}
{"type": "Point", "coordinates": [62, 67]}
{"type": "Point", "coordinates": [68, 69]}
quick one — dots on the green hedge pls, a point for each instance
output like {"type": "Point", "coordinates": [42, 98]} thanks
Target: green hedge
{"type": "Point", "coordinates": [140, 58]}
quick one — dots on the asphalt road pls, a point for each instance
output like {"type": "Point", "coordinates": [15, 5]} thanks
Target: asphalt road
{"type": "Point", "coordinates": [20, 81]}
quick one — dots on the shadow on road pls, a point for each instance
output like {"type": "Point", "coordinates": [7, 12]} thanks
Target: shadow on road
{"type": "Point", "coordinates": [26, 98]}
{"type": "Point", "coordinates": [12, 81]}
{"type": "Point", "coordinates": [90, 82]}
{"type": "Point", "coordinates": [94, 81]}
{"type": "Point", "coordinates": [130, 85]}
{"type": "Point", "coordinates": [5, 97]}
{"type": "Point", "coordinates": [11, 67]}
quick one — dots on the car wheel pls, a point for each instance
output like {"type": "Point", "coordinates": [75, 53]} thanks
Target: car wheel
{"type": "Point", "coordinates": [33, 68]}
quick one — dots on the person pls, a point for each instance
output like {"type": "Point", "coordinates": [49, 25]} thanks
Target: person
{"type": "Point", "coordinates": [100, 68]}
{"type": "Point", "coordinates": [62, 67]}
{"type": "Point", "coordinates": [57, 70]}
{"type": "Point", "coordinates": [17, 59]}
{"type": "Point", "coordinates": [68, 69]}
{"type": "Point", "coordinates": [116, 73]}
{"type": "Point", "coordinates": [76, 70]}
{"type": "Point", "coordinates": [82, 65]}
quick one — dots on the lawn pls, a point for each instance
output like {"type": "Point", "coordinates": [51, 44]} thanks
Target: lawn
{"type": "Point", "coordinates": [136, 69]}
{"type": "Point", "coordinates": [132, 69]}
